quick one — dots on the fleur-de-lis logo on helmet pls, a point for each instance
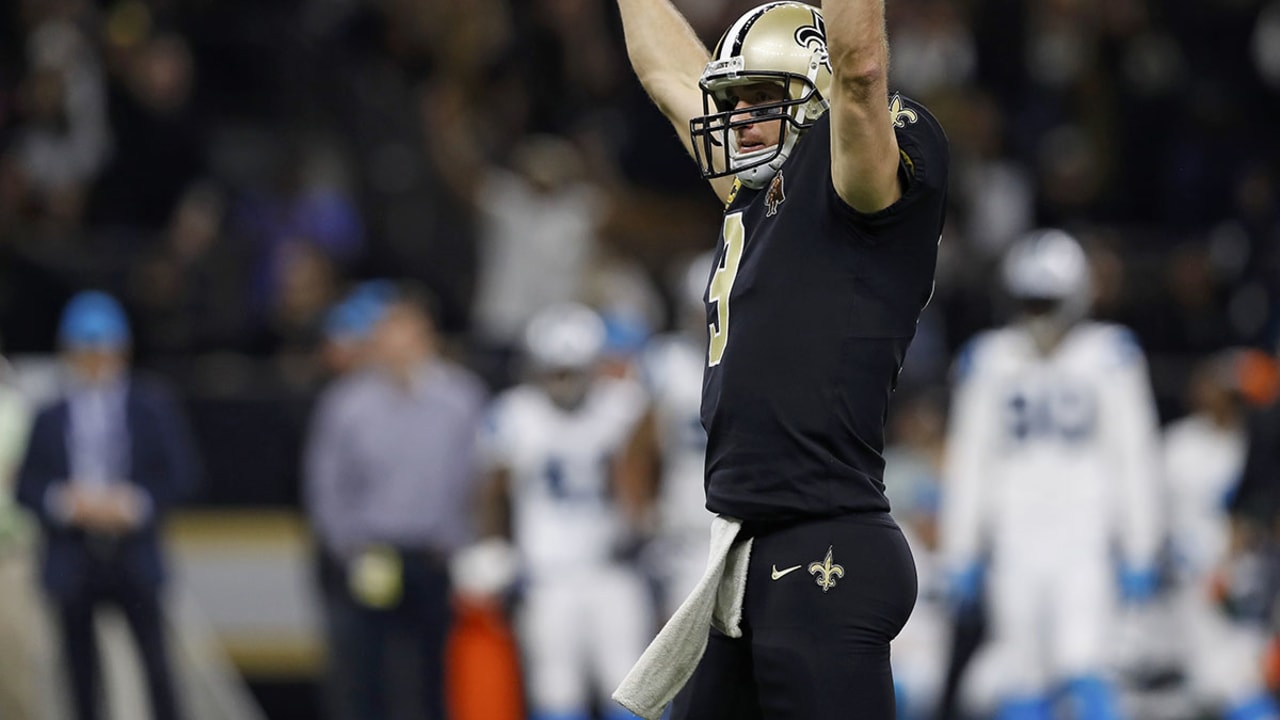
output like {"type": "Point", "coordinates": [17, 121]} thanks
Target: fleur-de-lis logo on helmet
{"type": "Point", "coordinates": [814, 37]}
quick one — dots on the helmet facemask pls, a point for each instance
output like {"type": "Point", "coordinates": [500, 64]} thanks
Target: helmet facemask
{"type": "Point", "coordinates": [715, 136]}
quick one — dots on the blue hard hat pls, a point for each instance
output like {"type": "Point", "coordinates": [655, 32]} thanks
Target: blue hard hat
{"type": "Point", "coordinates": [344, 320]}
{"type": "Point", "coordinates": [93, 319]}
{"type": "Point", "coordinates": [356, 315]}
{"type": "Point", "coordinates": [375, 292]}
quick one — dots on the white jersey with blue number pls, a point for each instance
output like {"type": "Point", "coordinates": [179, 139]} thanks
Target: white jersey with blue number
{"type": "Point", "coordinates": [564, 516]}
{"type": "Point", "coordinates": [672, 368]}
{"type": "Point", "coordinates": [1052, 454]}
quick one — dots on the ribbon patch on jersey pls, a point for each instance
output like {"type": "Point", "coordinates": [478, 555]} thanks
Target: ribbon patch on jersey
{"type": "Point", "coordinates": [775, 196]}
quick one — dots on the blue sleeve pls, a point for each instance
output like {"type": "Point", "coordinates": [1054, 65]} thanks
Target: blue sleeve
{"type": "Point", "coordinates": [966, 358]}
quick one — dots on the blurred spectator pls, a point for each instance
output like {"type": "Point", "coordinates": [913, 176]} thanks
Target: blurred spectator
{"type": "Point", "coordinates": [389, 479]}
{"type": "Point", "coordinates": [539, 222]}
{"type": "Point", "coordinates": [190, 288]}
{"type": "Point", "coordinates": [308, 285]}
{"type": "Point", "coordinates": [62, 140]}
{"type": "Point", "coordinates": [159, 140]}
{"type": "Point", "coordinates": [994, 196]}
{"type": "Point", "coordinates": [1255, 504]}
{"type": "Point", "coordinates": [23, 649]}
{"type": "Point", "coordinates": [305, 218]}
{"type": "Point", "coordinates": [538, 236]}
{"type": "Point", "coordinates": [1191, 318]}
{"type": "Point", "coordinates": [102, 468]}
{"type": "Point", "coordinates": [1266, 44]}
{"type": "Point", "coordinates": [574, 69]}
{"type": "Point", "coordinates": [1222, 605]}
{"type": "Point", "coordinates": [932, 47]}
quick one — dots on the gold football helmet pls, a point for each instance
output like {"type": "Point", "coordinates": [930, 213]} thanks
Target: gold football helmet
{"type": "Point", "coordinates": [782, 43]}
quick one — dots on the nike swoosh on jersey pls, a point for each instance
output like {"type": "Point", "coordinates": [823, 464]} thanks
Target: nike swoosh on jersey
{"type": "Point", "coordinates": [779, 573]}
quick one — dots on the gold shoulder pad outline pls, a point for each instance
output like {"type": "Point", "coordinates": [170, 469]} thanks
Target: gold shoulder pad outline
{"type": "Point", "coordinates": [733, 192]}
{"type": "Point", "coordinates": [907, 162]}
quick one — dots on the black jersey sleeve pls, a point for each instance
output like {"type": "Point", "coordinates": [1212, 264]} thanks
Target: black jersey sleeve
{"type": "Point", "coordinates": [923, 168]}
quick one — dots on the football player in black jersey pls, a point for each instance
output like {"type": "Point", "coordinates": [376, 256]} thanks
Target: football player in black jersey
{"type": "Point", "coordinates": [834, 191]}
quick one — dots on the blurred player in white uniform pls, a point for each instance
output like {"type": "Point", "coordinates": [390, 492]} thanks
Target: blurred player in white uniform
{"type": "Point", "coordinates": [1204, 457]}
{"type": "Point", "coordinates": [1052, 463]}
{"type": "Point", "coordinates": [553, 444]}
{"type": "Point", "coordinates": [673, 443]}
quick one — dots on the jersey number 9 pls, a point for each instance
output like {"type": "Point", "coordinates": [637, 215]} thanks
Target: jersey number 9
{"type": "Point", "coordinates": [735, 235]}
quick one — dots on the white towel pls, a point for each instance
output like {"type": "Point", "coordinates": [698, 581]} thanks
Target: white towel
{"type": "Point", "coordinates": [669, 661]}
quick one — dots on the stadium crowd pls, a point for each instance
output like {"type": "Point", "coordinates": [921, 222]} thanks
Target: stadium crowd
{"type": "Point", "coordinates": [235, 172]}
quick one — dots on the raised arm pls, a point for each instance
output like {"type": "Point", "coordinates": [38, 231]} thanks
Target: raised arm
{"type": "Point", "coordinates": [864, 149]}
{"type": "Point", "coordinates": [668, 58]}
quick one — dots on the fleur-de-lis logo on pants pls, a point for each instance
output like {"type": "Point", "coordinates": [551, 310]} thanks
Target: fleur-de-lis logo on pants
{"type": "Point", "coordinates": [826, 572]}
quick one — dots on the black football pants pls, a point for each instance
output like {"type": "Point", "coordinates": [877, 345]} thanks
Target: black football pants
{"type": "Point", "coordinates": [816, 633]}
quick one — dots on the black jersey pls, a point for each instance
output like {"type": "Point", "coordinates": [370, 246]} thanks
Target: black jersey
{"type": "Point", "coordinates": [811, 306]}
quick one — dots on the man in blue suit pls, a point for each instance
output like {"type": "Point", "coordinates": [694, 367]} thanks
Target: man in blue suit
{"type": "Point", "coordinates": [102, 467]}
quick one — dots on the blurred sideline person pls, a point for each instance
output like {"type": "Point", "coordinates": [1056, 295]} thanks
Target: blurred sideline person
{"type": "Point", "coordinates": [912, 478]}
{"type": "Point", "coordinates": [834, 191]}
{"type": "Point", "coordinates": [553, 445]}
{"type": "Point", "coordinates": [346, 348]}
{"type": "Point", "coordinates": [390, 466]}
{"type": "Point", "coordinates": [1221, 602]}
{"type": "Point", "coordinates": [671, 445]}
{"type": "Point", "coordinates": [102, 468]}
{"type": "Point", "coordinates": [22, 640]}
{"type": "Point", "coordinates": [1052, 459]}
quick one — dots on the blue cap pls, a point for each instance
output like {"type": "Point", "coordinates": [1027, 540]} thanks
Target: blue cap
{"type": "Point", "coordinates": [376, 292]}
{"type": "Point", "coordinates": [93, 319]}
{"type": "Point", "coordinates": [356, 315]}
